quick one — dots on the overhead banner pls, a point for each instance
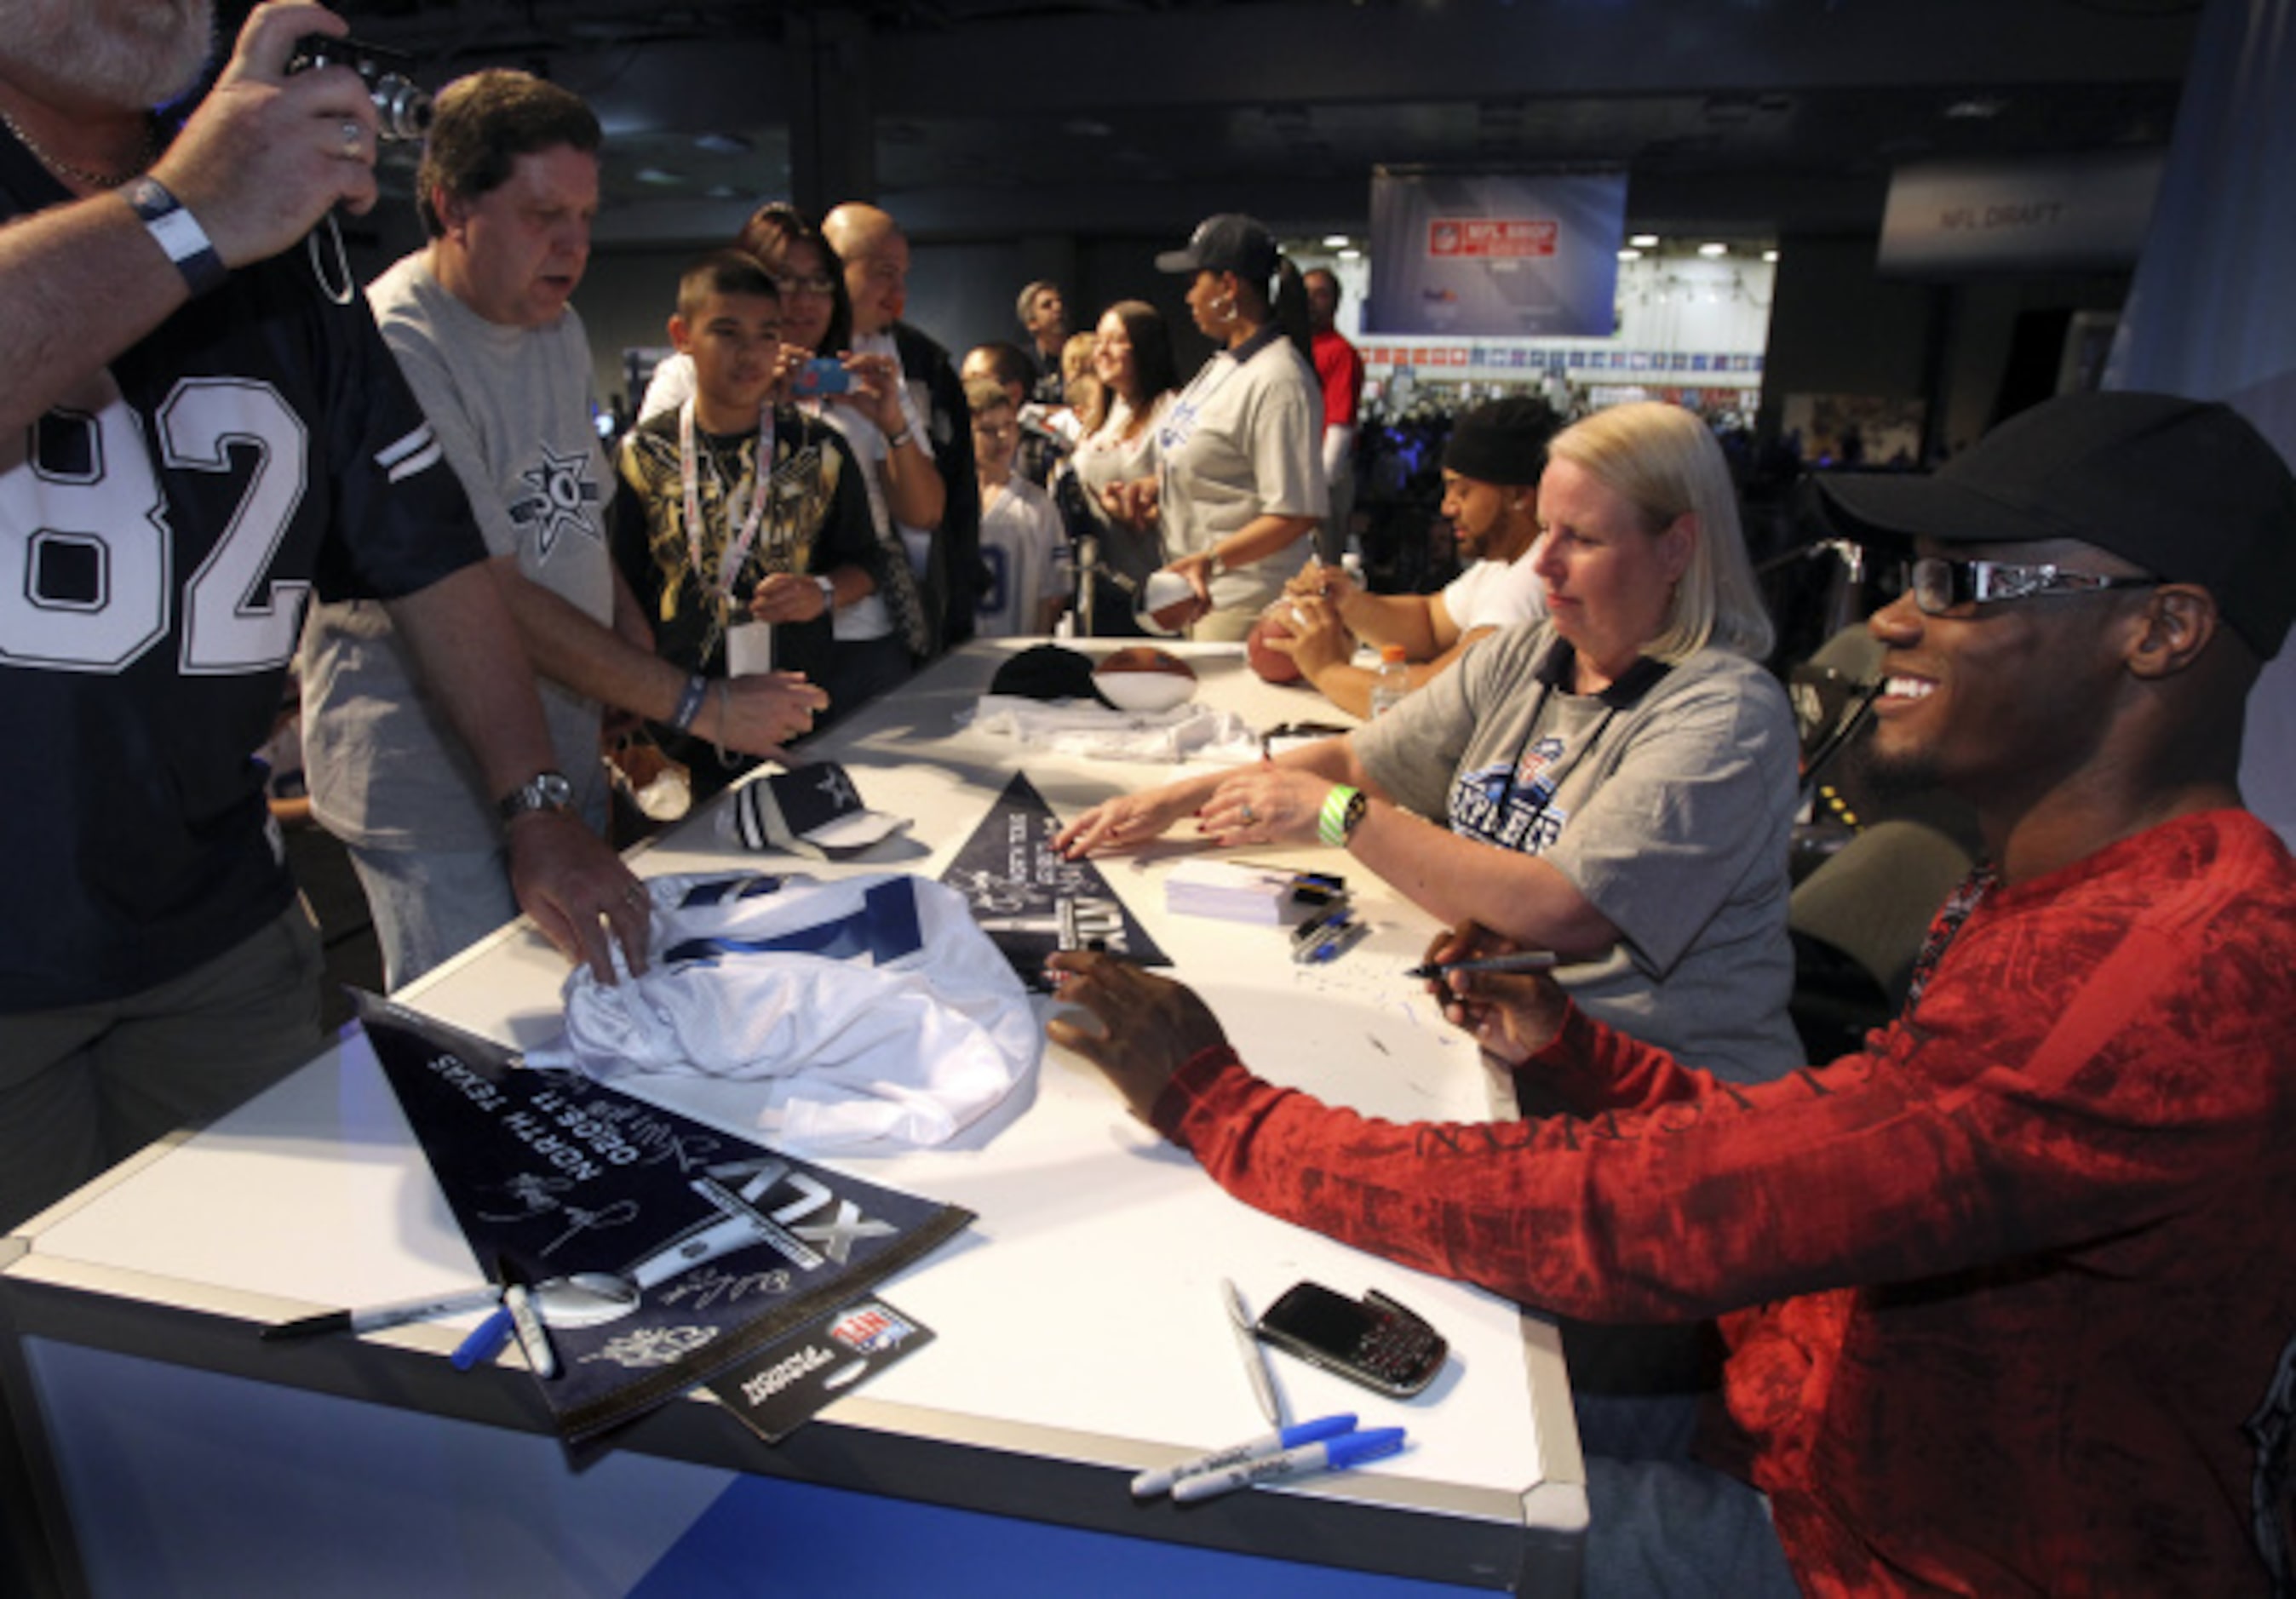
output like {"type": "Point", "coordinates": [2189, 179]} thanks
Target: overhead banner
{"type": "Point", "coordinates": [1518, 255]}
{"type": "Point", "coordinates": [2068, 214]}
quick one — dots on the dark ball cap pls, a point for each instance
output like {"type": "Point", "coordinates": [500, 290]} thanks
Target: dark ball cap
{"type": "Point", "coordinates": [2188, 490]}
{"type": "Point", "coordinates": [1048, 672]}
{"type": "Point", "coordinates": [1504, 442]}
{"type": "Point", "coordinates": [1230, 241]}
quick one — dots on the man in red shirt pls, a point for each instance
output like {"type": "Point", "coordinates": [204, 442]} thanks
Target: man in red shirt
{"type": "Point", "coordinates": [1340, 375]}
{"type": "Point", "coordinates": [2010, 1294]}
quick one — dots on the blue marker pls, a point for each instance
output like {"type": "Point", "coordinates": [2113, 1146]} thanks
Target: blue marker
{"type": "Point", "coordinates": [1337, 941]}
{"type": "Point", "coordinates": [1339, 1453]}
{"type": "Point", "coordinates": [484, 1340]}
{"type": "Point", "coordinates": [1149, 1484]}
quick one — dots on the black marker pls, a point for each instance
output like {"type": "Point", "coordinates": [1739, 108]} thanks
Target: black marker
{"type": "Point", "coordinates": [1524, 960]}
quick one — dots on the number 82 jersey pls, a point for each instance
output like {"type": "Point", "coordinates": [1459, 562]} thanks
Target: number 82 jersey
{"type": "Point", "coordinates": [161, 527]}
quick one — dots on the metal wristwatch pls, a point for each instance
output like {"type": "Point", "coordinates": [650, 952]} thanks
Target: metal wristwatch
{"type": "Point", "coordinates": [545, 791]}
{"type": "Point", "coordinates": [828, 593]}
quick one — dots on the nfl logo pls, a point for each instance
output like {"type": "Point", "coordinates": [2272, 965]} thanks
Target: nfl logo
{"type": "Point", "coordinates": [867, 1328]}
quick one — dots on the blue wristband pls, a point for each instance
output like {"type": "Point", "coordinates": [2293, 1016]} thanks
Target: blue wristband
{"type": "Point", "coordinates": [178, 233]}
{"type": "Point", "coordinates": [689, 703]}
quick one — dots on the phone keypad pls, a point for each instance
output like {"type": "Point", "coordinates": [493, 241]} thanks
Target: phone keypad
{"type": "Point", "coordinates": [1399, 1351]}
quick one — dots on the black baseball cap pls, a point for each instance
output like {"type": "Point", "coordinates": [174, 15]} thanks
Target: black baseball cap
{"type": "Point", "coordinates": [1504, 442]}
{"type": "Point", "coordinates": [1230, 241]}
{"type": "Point", "coordinates": [2187, 490]}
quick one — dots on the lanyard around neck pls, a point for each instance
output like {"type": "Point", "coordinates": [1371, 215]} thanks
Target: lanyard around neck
{"type": "Point", "coordinates": [737, 548]}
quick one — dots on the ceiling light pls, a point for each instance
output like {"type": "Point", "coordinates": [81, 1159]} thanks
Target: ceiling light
{"type": "Point", "coordinates": [1350, 254]}
{"type": "Point", "coordinates": [722, 143]}
{"type": "Point", "coordinates": [1630, 254]}
{"type": "Point", "coordinates": [1710, 252]}
{"type": "Point", "coordinates": [1770, 256]}
{"type": "Point", "coordinates": [1643, 241]}
{"type": "Point", "coordinates": [1335, 241]}
{"type": "Point", "coordinates": [656, 174]}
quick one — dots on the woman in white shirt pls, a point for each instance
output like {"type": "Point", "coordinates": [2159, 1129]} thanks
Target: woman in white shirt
{"type": "Point", "coordinates": [1132, 359]}
{"type": "Point", "coordinates": [1240, 473]}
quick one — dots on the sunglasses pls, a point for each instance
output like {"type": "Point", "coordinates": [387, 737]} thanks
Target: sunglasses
{"type": "Point", "coordinates": [1941, 587]}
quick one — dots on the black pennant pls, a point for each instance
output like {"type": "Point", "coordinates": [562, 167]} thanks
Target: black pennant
{"type": "Point", "coordinates": [1030, 901]}
{"type": "Point", "coordinates": [662, 1252]}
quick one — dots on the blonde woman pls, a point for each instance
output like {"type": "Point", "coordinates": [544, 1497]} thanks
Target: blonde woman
{"type": "Point", "coordinates": [1616, 782]}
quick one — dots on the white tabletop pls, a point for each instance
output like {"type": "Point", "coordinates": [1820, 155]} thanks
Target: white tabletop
{"type": "Point", "coordinates": [1079, 1316]}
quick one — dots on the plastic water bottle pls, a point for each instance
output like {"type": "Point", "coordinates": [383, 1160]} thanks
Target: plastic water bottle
{"type": "Point", "coordinates": [1392, 682]}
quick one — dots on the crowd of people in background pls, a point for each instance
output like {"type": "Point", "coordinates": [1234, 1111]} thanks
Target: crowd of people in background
{"type": "Point", "coordinates": [2086, 1094]}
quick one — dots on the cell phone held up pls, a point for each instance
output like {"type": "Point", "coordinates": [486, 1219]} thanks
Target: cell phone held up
{"type": "Point", "coordinates": [822, 375]}
{"type": "Point", "coordinates": [1375, 1340]}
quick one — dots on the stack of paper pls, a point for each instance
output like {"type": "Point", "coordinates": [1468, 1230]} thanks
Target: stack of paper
{"type": "Point", "coordinates": [1235, 892]}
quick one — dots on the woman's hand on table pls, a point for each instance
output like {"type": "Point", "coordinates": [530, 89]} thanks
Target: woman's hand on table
{"type": "Point", "coordinates": [1264, 804]}
{"type": "Point", "coordinates": [1128, 821]}
{"type": "Point", "coordinates": [1150, 1027]}
{"type": "Point", "coordinates": [1512, 1014]}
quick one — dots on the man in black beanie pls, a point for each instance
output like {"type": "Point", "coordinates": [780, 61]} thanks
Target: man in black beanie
{"type": "Point", "coordinates": [1490, 496]}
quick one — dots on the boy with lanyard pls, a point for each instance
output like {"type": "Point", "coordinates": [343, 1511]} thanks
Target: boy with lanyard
{"type": "Point", "coordinates": [738, 511]}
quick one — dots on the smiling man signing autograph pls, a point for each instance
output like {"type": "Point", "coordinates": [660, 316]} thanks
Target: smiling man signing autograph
{"type": "Point", "coordinates": [2009, 1293]}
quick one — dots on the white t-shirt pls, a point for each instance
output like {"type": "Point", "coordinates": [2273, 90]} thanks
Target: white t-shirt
{"type": "Point", "coordinates": [1494, 594]}
{"type": "Point", "coordinates": [1020, 532]}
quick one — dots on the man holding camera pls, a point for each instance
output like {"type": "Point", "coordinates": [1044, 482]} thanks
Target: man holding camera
{"type": "Point", "coordinates": [947, 558]}
{"type": "Point", "coordinates": [482, 324]}
{"type": "Point", "coordinates": [196, 435]}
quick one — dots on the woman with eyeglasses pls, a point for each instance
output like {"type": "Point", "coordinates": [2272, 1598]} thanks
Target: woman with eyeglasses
{"type": "Point", "coordinates": [1615, 783]}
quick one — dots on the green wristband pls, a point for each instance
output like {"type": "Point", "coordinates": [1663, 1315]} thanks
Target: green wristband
{"type": "Point", "coordinates": [1333, 822]}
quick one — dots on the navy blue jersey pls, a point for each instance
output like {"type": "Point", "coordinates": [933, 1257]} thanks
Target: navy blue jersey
{"type": "Point", "coordinates": [160, 529]}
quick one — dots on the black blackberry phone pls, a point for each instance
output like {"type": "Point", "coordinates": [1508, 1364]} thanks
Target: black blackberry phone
{"type": "Point", "coordinates": [1373, 1341]}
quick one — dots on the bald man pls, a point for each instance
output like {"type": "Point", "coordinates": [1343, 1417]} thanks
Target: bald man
{"type": "Point", "coordinates": [947, 558]}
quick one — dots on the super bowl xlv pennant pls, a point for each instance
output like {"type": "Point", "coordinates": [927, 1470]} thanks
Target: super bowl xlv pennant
{"type": "Point", "coordinates": [660, 1252]}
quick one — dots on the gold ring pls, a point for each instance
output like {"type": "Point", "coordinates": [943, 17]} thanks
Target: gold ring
{"type": "Point", "coordinates": [353, 136]}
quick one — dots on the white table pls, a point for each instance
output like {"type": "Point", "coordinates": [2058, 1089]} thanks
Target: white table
{"type": "Point", "coordinates": [1079, 1331]}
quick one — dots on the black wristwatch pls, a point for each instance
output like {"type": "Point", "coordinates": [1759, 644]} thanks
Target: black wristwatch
{"type": "Point", "coordinates": [545, 791]}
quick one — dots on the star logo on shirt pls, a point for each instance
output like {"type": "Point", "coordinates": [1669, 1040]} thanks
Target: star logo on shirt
{"type": "Point", "coordinates": [564, 492]}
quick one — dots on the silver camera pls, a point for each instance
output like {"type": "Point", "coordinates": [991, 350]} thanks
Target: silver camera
{"type": "Point", "coordinates": [402, 107]}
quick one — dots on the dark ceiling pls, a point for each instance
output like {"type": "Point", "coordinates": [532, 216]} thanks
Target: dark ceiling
{"type": "Point", "coordinates": [1003, 118]}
